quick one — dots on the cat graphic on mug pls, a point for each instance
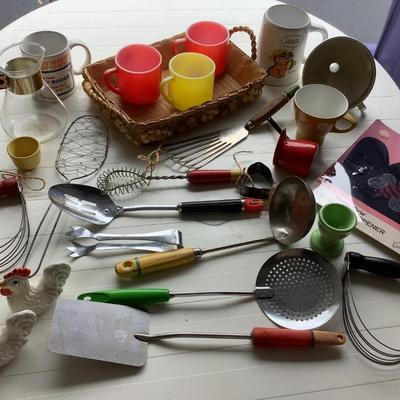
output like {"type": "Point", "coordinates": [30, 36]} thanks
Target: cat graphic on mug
{"type": "Point", "coordinates": [282, 62]}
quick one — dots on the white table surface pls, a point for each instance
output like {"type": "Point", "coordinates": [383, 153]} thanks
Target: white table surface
{"type": "Point", "coordinates": [193, 369]}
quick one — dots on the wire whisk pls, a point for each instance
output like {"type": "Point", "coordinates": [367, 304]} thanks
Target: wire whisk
{"type": "Point", "coordinates": [13, 249]}
{"type": "Point", "coordinates": [124, 180]}
{"type": "Point", "coordinates": [82, 152]}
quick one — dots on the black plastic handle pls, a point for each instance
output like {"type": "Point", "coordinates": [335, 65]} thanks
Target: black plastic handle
{"type": "Point", "coordinates": [375, 265]}
{"type": "Point", "coordinates": [233, 205]}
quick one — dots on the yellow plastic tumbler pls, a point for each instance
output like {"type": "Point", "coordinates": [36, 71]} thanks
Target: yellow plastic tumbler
{"type": "Point", "coordinates": [191, 80]}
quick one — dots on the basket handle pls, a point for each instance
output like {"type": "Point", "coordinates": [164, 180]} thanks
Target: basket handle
{"type": "Point", "coordinates": [253, 40]}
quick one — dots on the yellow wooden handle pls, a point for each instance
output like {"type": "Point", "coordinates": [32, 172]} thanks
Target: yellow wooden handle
{"type": "Point", "coordinates": [154, 262]}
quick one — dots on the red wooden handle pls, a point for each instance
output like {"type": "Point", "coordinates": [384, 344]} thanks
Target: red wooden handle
{"type": "Point", "coordinates": [277, 337]}
{"type": "Point", "coordinates": [9, 187]}
{"type": "Point", "coordinates": [253, 205]}
{"type": "Point", "coordinates": [210, 176]}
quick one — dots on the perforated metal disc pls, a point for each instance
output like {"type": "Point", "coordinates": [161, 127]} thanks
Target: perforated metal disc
{"type": "Point", "coordinates": [307, 289]}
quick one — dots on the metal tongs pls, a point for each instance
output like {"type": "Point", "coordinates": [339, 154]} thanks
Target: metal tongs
{"type": "Point", "coordinates": [170, 239]}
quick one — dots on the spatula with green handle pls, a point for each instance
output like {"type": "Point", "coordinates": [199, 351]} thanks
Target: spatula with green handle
{"type": "Point", "coordinates": [138, 297]}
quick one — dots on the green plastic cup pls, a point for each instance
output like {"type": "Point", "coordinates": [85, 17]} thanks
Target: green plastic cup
{"type": "Point", "coordinates": [335, 222]}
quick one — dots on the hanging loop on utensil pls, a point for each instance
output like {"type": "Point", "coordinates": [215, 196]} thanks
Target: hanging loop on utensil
{"type": "Point", "coordinates": [152, 160]}
{"type": "Point", "coordinates": [23, 179]}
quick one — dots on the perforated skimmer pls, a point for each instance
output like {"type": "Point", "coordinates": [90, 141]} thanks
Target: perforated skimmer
{"type": "Point", "coordinates": [307, 289]}
{"type": "Point", "coordinates": [295, 288]}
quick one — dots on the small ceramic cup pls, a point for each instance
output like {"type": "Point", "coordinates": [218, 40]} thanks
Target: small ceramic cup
{"type": "Point", "coordinates": [24, 151]}
{"type": "Point", "coordinates": [317, 108]}
{"type": "Point", "coordinates": [335, 222]}
{"type": "Point", "coordinates": [295, 156]}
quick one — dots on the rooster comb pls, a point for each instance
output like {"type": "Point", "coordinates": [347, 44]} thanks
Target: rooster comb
{"type": "Point", "coordinates": [24, 272]}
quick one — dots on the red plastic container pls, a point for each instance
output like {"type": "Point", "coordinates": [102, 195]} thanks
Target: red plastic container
{"type": "Point", "coordinates": [296, 156]}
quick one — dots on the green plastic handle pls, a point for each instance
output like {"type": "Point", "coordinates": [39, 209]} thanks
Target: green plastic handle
{"type": "Point", "coordinates": [128, 297]}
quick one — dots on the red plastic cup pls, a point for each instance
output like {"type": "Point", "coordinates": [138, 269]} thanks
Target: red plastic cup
{"type": "Point", "coordinates": [208, 38]}
{"type": "Point", "coordinates": [295, 156]}
{"type": "Point", "coordinates": [138, 72]}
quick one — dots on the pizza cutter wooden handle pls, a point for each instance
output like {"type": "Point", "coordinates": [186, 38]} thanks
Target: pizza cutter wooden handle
{"type": "Point", "coordinates": [277, 337]}
{"type": "Point", "coordinates": [137, 266]}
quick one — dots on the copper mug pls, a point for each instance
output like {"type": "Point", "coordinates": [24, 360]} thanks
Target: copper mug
{"type": "Point", "coordinates": [317, 109]}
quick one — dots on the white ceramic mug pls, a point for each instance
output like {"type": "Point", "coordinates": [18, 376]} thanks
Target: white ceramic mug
{"type": "Point", "coordinates": [283, 36]}
{"type": "Point", "coordinates": [57, 65]}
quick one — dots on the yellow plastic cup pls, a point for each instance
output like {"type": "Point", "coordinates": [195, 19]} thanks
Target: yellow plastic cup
{"type": "Point", "coordinates": [24, 151]}
{"type": "Point", "coordinates": [191, 80]}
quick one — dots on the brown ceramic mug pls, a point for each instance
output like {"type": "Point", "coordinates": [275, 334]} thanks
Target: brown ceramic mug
{"type": "Point", "coordinates": [317, 110]}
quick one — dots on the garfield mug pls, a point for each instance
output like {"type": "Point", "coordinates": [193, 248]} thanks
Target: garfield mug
{"type": "Point", "coordinates": [283, 36]}
{"type": "Point", "coordinates": [56, 67]}
{"type": "Point", "coordinates": [317, 109]}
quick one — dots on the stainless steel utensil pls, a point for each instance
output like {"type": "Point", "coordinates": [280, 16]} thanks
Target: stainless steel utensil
{"type": "Point", "coordinates": [170, 236]}
{"type": "Point", "coordinates": [307, 289]}
{"type": "Point", "coordinates": [295, 288]}
{"type": "Point", "coordinates": [92, 205]}
{"type": "Point", "coordinates": [261, 337]}
{"type": "Point", "coordinates": [291, 216]}
{"type": "Point", "coordinates": [196, 152]}
{"type": "Point", "coordinates": [119, 334]}
{"type": "Point", "coordinates": [363, 339]}
{"type": "Point", "coordinates": [79, 250]}
{"type": "Point", "coordinates": [98, 331]}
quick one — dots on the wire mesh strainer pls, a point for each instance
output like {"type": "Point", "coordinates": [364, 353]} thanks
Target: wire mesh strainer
{"type": "Point", "coordinates": [307, 289]}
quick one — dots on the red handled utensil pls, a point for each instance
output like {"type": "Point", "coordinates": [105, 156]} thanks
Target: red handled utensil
{"type": "Point", "coordinates": [9, 187]}
{"type": "Point", "coordinates": [263, 337]}
{"type": "Point", "coordinates": [291, 215]}
{"type": "Point", "coordinates": [92, 205]}
{"type": "Point", "coordinates": [119, 334]}
{"type": "Point", "coordinates": [123, 180]}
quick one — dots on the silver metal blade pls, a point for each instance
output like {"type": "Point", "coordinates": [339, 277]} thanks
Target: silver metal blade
{"type": "Point", "coordinates": [98, 331]}
{"type": "Point", "coordinates": [199, 151]}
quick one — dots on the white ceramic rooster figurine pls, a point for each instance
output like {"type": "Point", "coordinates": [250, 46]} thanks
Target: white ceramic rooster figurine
{"type": "Point", "coordinates": [38, 297]}
{"type": "Point", "coordinates": [14, 335]}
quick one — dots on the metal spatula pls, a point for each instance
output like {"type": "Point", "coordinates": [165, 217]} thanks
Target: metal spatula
{"type": "Point", "coordinates": [98, 331]}
{"type": "Point", "coordinates": [197, 152]}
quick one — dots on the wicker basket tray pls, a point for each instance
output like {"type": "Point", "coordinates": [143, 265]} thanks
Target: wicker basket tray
{"type": "Point", "coordinates": [241, 83]}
